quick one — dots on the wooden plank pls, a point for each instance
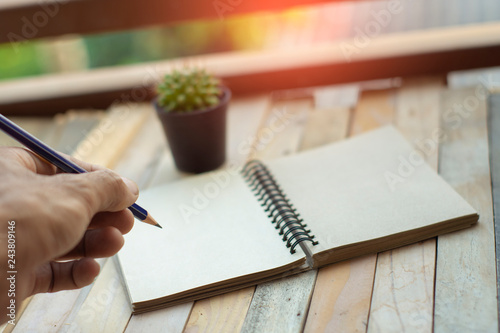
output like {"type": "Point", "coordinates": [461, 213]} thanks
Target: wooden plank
{"type": "Point", "coordinates": [281, 132]}
{"type": "Point", "coordinates": [488, 77]}
{"type": "Point", "coordinates": [225, 312]}
{"type": "Point", "coordinates": [494, 145]}
{"type": "Point", "coordinates": [329, 120]}
{"type": "Point", "coordinates": [336, 96]}
{"type": "Point", "coordinates": [280, 306]}
{"type": "Point", "coordinates": [342, 296]}
{"type": "Point", "coordinates": [341, 299]}
{"type": "Point", "coordinates": [417, 115]}
{"type": "Point", "coordinates": [39, 127]}
{"type": "Point", "coordinates": [149, 144]}
{"type": "Point", "coordinates": [39, 315]}
{"type": "Point", "coordinates": [324, 126]}
{"type": "Point", "coordinates": [400, 54]}
{"type": "Point", "coordinates": [375, 109]}
{"type": "Point", "coordinates": [106, 307]}
{"type": "Point", "coordinates": [6, 327]}
{"type": "Point", "coordinates": [159, 167]}
{"type": "Point", "coordinates": [465, 299]}
{"type": "Point", "coordinates": [41, 312]}
{"type": "Point", "coordinates": [403, 292]}
{"type": "Point", "coordinates": [109, 139]}
{"type": "Point", "coordinates": [74, 127]}
{"type": "Point", "coordinates": [245, 115]}
{"type": "Point", "coordinates": [170, 320]}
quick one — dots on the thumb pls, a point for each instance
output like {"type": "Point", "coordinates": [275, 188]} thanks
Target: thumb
{"type": "Point", "coordinates": [105, 191]}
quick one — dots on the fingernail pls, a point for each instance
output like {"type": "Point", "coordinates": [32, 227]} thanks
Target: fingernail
{"type": "Point", "coordinates": [131, 185]}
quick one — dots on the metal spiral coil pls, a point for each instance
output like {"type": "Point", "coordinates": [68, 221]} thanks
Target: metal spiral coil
{"type": "Point", "coordinates": [281, 212]}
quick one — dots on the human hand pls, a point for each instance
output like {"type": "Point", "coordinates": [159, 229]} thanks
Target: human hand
{"type": "Point", "coordinates": [57, 216]}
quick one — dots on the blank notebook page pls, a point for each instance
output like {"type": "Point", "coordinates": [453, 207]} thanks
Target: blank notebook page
{"type": "Point", "coordinates": [342, 193]}
{"type": "Point", "coordinates": [230, 236]}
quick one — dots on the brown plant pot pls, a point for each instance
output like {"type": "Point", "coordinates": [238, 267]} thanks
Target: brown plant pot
{"type": "Point", "coordinates": [197, 139]}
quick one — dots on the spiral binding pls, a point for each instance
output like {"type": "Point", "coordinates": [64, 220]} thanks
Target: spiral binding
{"type": "Point", "coordinates": [281, 212]}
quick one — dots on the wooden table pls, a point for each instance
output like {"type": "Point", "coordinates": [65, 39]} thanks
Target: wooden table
{"type": "Point", "coordinates": [446, 284]}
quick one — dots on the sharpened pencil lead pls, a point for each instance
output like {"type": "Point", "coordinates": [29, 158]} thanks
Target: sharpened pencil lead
{"type": "Point", "coordinates": [150, 220]}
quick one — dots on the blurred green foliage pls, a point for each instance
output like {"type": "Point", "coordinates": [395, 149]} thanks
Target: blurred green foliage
{"type": "Point", "coordinates": [20, 62]}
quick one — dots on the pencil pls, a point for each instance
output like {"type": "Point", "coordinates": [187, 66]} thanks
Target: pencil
{"type": "Point", "coordinates": [53, 157]}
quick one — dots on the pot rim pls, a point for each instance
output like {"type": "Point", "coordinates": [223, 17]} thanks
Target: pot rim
{"type": "Point", "coordinates": [226, 96]}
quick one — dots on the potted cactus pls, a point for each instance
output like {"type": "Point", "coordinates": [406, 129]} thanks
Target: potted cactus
{"type": "Point", "coordinates": [191, 105]}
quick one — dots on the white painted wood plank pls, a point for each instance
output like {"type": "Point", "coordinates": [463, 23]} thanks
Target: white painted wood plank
{"type": "Point", "coordinates": [107, 141]}
{"type": "Point", "coordinates": [465, 276]}
{"type": "Point", "coordinates": [39, 127]}
{"type": "Point", "coordinates": [324, 126]}
{"type": "Point", "coordinates": [281, 132]}
{"type": "Point", "coordinates": [106, 307]}
{"type": "Point", "coordinates": [223, 313]}
{"type": "Point", "coordinates": [280, 306]}
{"type": "Point", "coordinates": [337, 96]}
{"type": "Point", "coordinates": [53, 312]}
{"type": "Point", "coordinates": [494, 145]}
{"type": "Point", "coordinates": [244, 118]}
{"type": "Point", "coordinates": [170, 320]}
{"type": "Point", "coordinates": [488, 77]}
{"type": "Point", "coordinates": [342, 296]}
{"type": "Point", "coordinates": [403, 292]}
{"type": "Point", "coordinates": [341, 299]}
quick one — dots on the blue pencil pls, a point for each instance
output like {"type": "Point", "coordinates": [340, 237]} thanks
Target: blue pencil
{"type": "Point", "coordinates": [53, 157]}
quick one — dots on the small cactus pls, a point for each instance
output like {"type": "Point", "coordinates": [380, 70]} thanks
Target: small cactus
{"type": "Point", "coordinates": [188, 90]}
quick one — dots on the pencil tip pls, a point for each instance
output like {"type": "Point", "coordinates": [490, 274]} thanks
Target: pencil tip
{"type": "Point", "coordinates": [150, 220]}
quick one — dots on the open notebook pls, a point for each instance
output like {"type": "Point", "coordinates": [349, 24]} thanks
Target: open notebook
{"type": "Point", "coordinates": [363, 195]}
